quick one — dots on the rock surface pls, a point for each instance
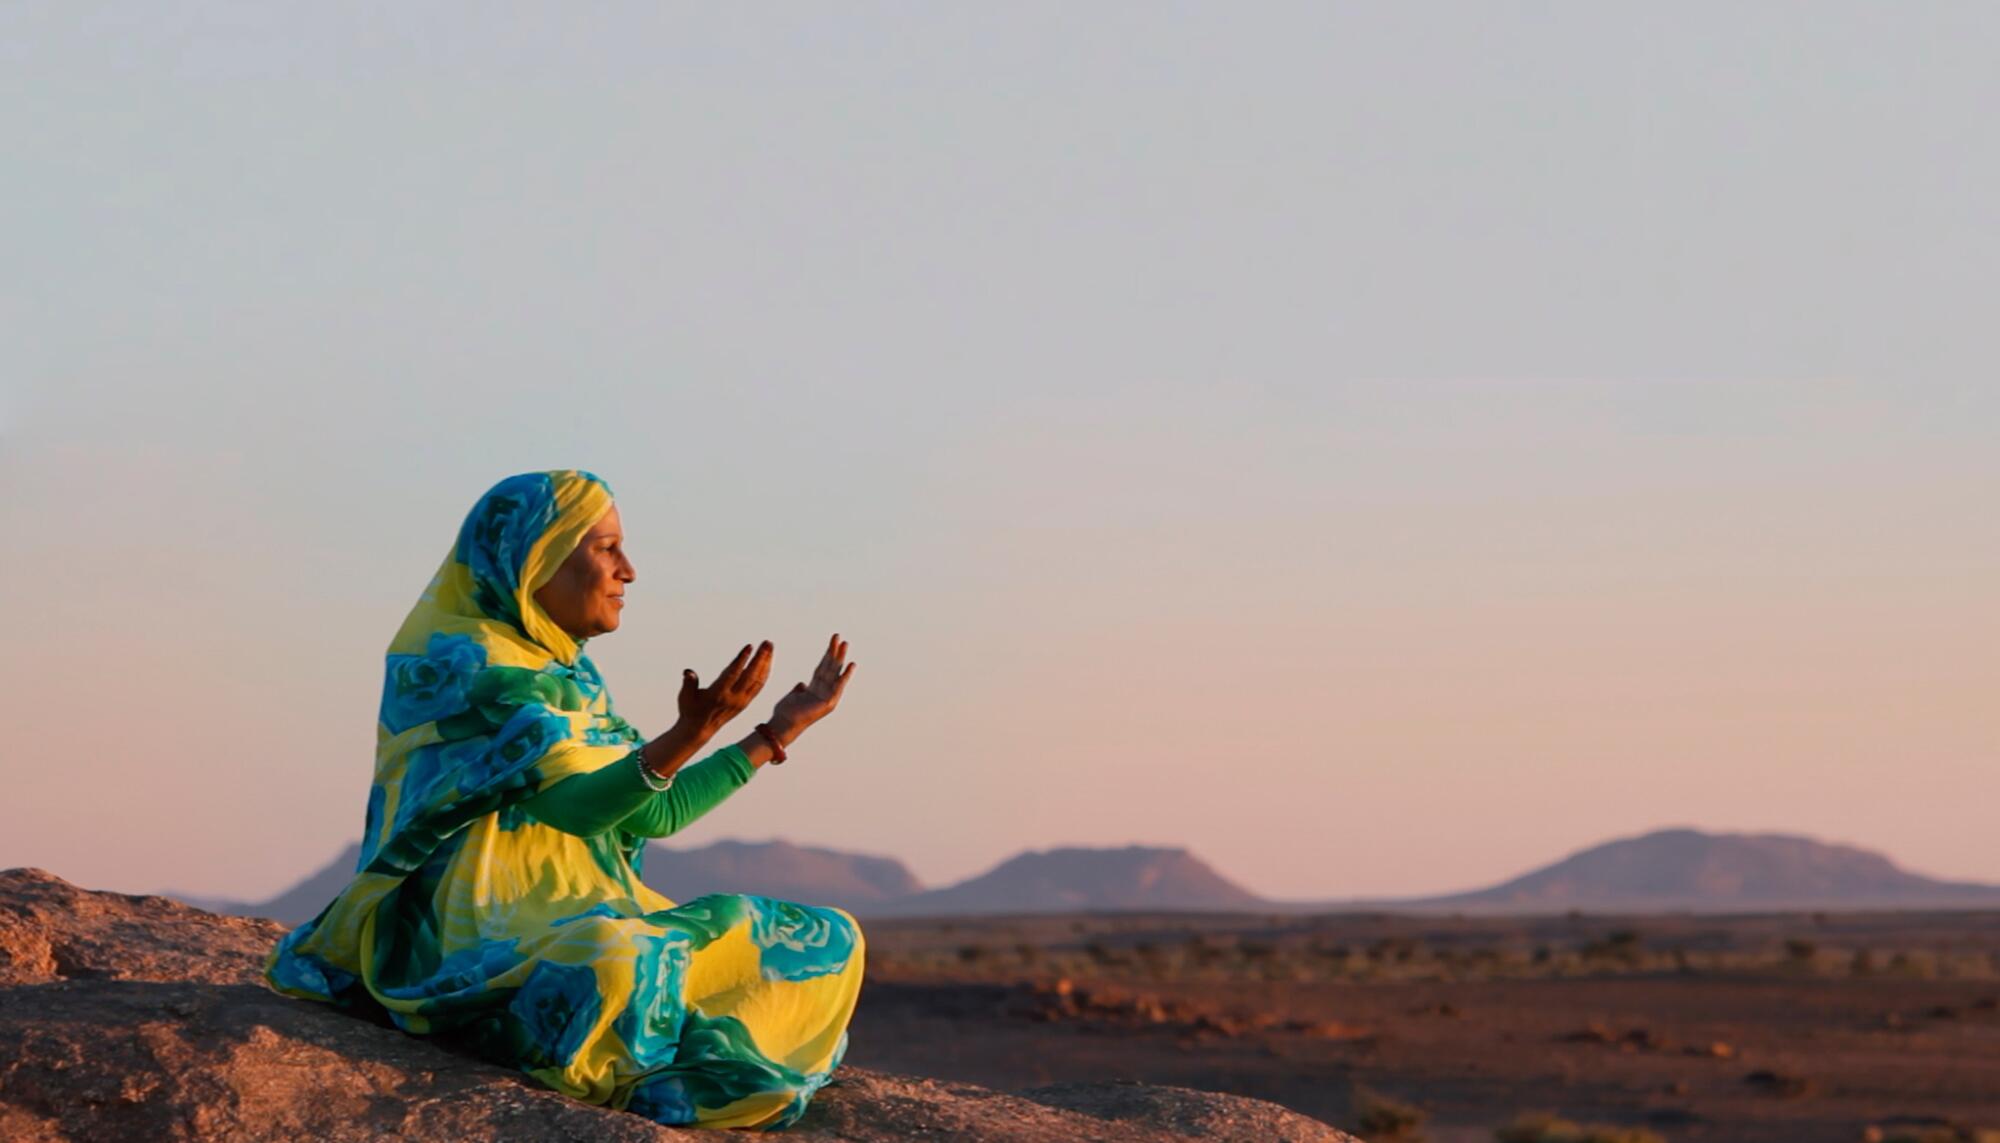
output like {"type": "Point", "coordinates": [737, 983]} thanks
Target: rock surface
{"type": "Point", "coordinates": [126, 1017]}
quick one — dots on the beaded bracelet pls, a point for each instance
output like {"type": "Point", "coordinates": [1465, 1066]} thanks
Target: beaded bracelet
{"type": "Point", "coordinates": [651, 779]}
{"type": "Point", "coordinates": [777, 747]}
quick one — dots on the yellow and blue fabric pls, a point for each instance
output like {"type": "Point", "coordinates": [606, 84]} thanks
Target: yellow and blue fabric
{"type": "Point", "coordinates": [476, 917]}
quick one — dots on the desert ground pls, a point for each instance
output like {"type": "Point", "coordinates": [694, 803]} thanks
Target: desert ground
{"type": "Point", "coordinates": [1840, 1028]}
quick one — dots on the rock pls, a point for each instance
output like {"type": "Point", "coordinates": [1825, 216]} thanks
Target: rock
{"type": "Point", "coordinates": [131, 1017]}
{"type": "Point", "coordinates": [869, 1107]}
{"type": "Point", "coordinates": [204, 1061]}
{"type": "Point", "coordinates": [52, 930]}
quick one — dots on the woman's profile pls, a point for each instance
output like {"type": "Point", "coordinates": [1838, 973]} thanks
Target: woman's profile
{"type": "Point", "coordinates": [497, 903]}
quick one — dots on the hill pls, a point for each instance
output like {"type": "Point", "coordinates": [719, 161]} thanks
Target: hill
{"type": "Point", "coordinates": [1058, 880]}
{"type": "Point", "coordinates": [1075, 879]}
{"type": "Point", "coordinates": [1686, 869]}
{"type": "Point", "coordinates": [852, 881]}
{"type": "Point", "coordinates": [855, 882]}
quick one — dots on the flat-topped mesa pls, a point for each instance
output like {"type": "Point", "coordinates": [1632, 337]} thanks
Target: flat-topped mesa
{"type": "Point", "coordinates": [140, 1017]}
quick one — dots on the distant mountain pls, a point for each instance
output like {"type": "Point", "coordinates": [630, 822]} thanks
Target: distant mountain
{"type": "Point", "coordinates": [1675, 870]}
{"type": "Point", "coordinates": [852, 881]}
{"type": "Point", "coordinates": [1059, 880]}
{"type": "Point", "coordinates": [1075, 880]}
{"type": "Point", "coordinates": [1685, 869]}
{"type": "Point", "coordinates": [302, 902]}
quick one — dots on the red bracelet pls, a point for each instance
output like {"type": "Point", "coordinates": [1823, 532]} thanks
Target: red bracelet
{"type": "Point", "coordinates": [777, 747]}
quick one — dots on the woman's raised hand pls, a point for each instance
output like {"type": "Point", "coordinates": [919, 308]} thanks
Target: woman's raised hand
{"type": "Point", "coordinates": [706, 710]}
{"type": "Point", "coordinates": [807, 703]}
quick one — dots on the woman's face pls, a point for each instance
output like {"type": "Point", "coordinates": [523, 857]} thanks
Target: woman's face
{"type": "Point", "coordinates": [588, 590]}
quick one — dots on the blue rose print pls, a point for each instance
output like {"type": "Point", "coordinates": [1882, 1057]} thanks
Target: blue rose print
{"type": "Point", "coordinates": [557, 1008]}
{"type": "Point", "coordinates": [799, 942]}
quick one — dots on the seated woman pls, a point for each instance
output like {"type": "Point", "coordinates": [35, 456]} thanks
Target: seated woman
{"type": "Point", "coordinates": [497, 904]}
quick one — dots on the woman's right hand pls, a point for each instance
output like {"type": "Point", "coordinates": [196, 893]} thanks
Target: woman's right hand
{"type": "Point", "coordinates": [705, 710]}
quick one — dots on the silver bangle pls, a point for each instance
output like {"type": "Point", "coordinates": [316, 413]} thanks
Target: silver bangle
{"type": "Point", "coordinates": [646, 776]}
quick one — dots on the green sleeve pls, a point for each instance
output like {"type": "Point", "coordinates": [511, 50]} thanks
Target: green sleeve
{"type": "Point", "coordinates": [697, 789]}
{"type": "Point", "coordinates": [590, 804]}
{"type": "Point", "coordinates": [616, 795]}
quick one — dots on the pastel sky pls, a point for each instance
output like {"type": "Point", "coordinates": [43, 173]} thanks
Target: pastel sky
{"type": "Point", "coordinates": [1382, 448]}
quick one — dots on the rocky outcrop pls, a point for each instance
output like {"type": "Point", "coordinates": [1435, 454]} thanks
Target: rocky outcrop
{"type": "Point", "coordinates": [126, 1017]}
{"type": "Point", "coordinates": [51, 930]}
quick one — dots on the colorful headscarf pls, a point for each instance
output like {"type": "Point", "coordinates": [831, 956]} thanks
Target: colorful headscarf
{"type": "Point", "coordinates": [485, 700]}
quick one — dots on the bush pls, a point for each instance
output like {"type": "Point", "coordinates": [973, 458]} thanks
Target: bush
{"type": "Point", "coordinates": [1376, 1116]}
{"type": "Point", "coordinates": [1541, 1127]}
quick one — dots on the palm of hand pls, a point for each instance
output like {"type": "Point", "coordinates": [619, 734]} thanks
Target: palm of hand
{"type": "Point", "coordinates": [808, 702]}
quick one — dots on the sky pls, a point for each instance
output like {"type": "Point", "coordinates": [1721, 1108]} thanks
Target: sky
{"type": "Point", "coordinates": [1381, 448]}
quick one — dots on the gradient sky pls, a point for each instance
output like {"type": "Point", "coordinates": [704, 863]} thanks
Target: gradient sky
{"type": "Point", "coordinates": [1382, 448]}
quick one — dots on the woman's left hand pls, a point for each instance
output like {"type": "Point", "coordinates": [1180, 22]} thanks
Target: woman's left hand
{"type": "Point", "coordinates": [807, 703]}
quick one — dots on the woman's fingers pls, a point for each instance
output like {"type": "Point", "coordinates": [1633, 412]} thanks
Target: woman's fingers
{"type": "Point", "coordinates": [760, 667]}
{"type": "Point", "coordinates": [829, 665]}
{"type": "Point", "coordinates": [734, 668]}
{"type": "Point", "coordinates": [744, 685]}
{"type": "Point", "coordinates": [840, 687]}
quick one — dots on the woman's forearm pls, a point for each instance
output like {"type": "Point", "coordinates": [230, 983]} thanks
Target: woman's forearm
{"type": "Point", "coordinates": [589, 804]}
{"type": "Point", "coordinates": [670, 751]}
{"type": "Point", "coordinates": [758, 751]}
{"type": "Point", "coordinates": [698, 789]}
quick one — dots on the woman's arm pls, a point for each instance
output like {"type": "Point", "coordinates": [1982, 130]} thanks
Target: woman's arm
{"type": "Point", "coordinates": [589, 804]}
{"type": "Point", "coordinates": [697, 789]}
{"type": "Point", "coordinates": [616, 795]}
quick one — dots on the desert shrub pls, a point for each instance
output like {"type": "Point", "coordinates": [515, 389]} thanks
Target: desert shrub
{"type": "Point", "coordinates": [1782, 1084]}
{"type": "Point", "coordinates": [1919, 965]}
{"type": "Point", "coordinates": [1621, 946]}
{"type": "Point", "coordinates": [1931, 1133]}
{"type": "Point", "coordinates": [1203, 952]}
{"type": "Point", "coordinates": [1801, 950]}
{"type": "Point", "coordinates": [1542, 1127]}
{"type": "Point", "coordinates": [1402, 950]}
{"type": "Point", "coordinates": [1152, 958]}
{"type": "Point", "coordinates": [1376, 1116]}
{"type": "Point", "coordinates": [1863, 963]}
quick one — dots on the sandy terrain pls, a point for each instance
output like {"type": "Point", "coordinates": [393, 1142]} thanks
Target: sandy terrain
{"type": "Point", "coordinates": [1799, 1028]}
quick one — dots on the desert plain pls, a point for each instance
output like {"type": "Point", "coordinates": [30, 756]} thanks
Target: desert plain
{"type": "Point", "coordinates": [1806, 1027]}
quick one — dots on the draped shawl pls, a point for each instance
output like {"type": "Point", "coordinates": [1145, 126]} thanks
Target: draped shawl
{"type": "Point", "coordinates": [530, 945]}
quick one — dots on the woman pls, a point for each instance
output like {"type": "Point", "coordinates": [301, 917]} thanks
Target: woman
{"type": "Point", "coordinates": [497, 903]}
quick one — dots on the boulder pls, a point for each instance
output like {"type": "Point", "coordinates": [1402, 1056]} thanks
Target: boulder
{"type": "Point", "coordinates": [138, 1017]}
